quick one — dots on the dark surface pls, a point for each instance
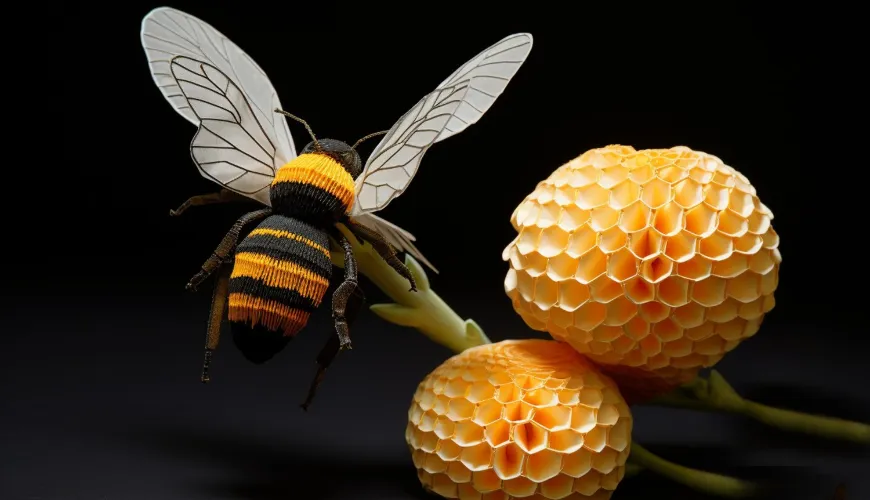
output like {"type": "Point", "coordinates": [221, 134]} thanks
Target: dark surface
{"type": "Point", "coordinates": [101, 350]}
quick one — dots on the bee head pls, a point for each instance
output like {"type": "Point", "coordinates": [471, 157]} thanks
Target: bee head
{"type": "Point", "coordinates": [340, 151]}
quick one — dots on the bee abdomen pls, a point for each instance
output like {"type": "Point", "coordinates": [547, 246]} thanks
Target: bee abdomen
{"type": "Point", "coordinates": [280, 276]}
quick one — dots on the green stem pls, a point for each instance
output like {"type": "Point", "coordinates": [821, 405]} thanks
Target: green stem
{"type": "Point", "coordinates": [423, 310]}
{"type": "Point", "coordinates": [706, 482]}
{"type": "Point", "coordinates": [716, 394]}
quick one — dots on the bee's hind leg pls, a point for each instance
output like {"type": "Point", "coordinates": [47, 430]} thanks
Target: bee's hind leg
{"type": "Point", "coordinates": [226, 247]}
{"type": "Point", "coordinates": [347, 300]}
{"type": "Point", "coordinates": [383, 247]}
{"type": "Point", "coordinates": [222, 196]}
{"type": "Point", "coordinates": [216, 316]}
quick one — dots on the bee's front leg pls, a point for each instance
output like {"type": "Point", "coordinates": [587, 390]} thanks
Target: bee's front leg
{"type": "Point", "coordinates": [384, 249]}
{"type": "Point", "coordinates": [222, 196]}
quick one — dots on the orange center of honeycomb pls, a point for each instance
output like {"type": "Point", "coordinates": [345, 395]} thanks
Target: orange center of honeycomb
{"type": "Point", "coordinates": [519, 419]}
{"type": "Point", "coordinates": [660, 260]}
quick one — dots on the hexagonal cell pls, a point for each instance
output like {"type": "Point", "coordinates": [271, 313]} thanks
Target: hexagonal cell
{"type": "Point", "coordinates": [565, 441]}
{"type": "Point", "coordinates": [689, 315]}
{"type": "Point", "coordinates": [770, 239]}
{"type": "Point", "coordinates": [724, 177]}
{"type": "Point", "coordinates": [427, 421]}
{"type": "Point", "coordinates": [752, 310]}
{"type": "Point", "coordinates": [612, 240]}
{"type": "Point", "coordinates": [591, 266]}
{"type": "Point", "coordinates": [642, 174]}
{"type": "Point", "coordinates": [696, 268]}
{"type": "Point", "coordinates": [480, 391]}
{"type": "Point", "coordinates": [553, 241]}
{"type": "Point", "coordinates": [583, 417]}
{"type": "Point", "coordinates": [543, 465]}
{"type": "Point", "coordinates": [456, 388]}
{"type": "Point", "coordinates": [731, 267]}
{"type": "Point", "coordinates": [748, 243]}
{"type": "Point", "coordinates": [710, 346]}
{"type": "Point", "coordinates": [591, 197]}
{"type": "Point", "coordinates": [442, 485]}
{"type": "Point", "coordinates": [639, 290]}
{"type": "Point", "coordinates": [673, 291]}
{"type": "Point", "coordinates": [680, 247]}
{"type": "Point", "coordinates": [716, 247]}
{"type": "Point", "coordinates": [733, 225]}
{"type": "Point", "coordinates": [548, 215]}
{"type": "Point", "coordinates": [499, 378]}
{"type": "Point", "coordinates": [671, 175]}
{"type": "Point", "coordinates": [645, 244]}
{"type": "Point", "coordinates": [518, 412]}
{"type": "Point", "coordinates": [667, 330]}
{"type": "Point", "coordinates": [553, 418]}
{"type": "Point", "coordinates": [709, 292]}
{"type": "Point", "coordinates": [468, 433]}
{"type": "Point", "coordinates": [745, 288]}
{"type": "Point", "coordinates": [758, 223]}
{"type": "Point", "coordinates": [619, 311]}
{"type": "Point", "coordinates": [605, 461]}
{"type": "Point", "coordinates": [535, 264]}
{"type": "Point", "coordinates": [732, 330]}
{"type": "Point", "coordinates": [762, 262]}
{"type": "Point", "coordinates": [527, 241]}
{"type": "Point", "coordinates": [726, 311]}
{"type": "Point", "coordinates": [573, 217]}
{"type": "Point", "coordinates": [477, 457]}
{"type": "Point", "coordinates": [508, 393]}
{"type": "Point", "coordinates": [577, 464]}
{"type": "Point", "coordinates": [769, 282]}
{"type": "Point", "coordinates": [701, 221]}
{"type": "Point", "coordinates": [701, 332]}
{"type": "Point", "coordinates": [590, 397]}
{"type": "Point", "coordinates": [606, 334]}
{"type": "Point", "coordinates": [428, 442]}
{"type": "Point", "coordinates": [444, 427]}
{"type": "Point", "coordinates": [541, 398]}
{"type": "Point", "coordinates": [527, 382]}
{"type": "Point", "coordinates": [688, 193]}
{"type": "Point", "coordinates": [700, 176]}
{"type": "Point", "coordinates": [561, 267]}
{"type": "Point", "coordinates": [603, 218]}
{"type": "Point", "coordinates": [668, 220]}
{"type": "Point", "coordinates": [604, 289]}
{"type": "Point", "coordinates": [458, 472]}
{"type": "Point", "coordinates": [624, 194]}
{"type": "Point", "coordinates": [487, 480]}
{"type": "Point", "coordinates": [544, 193]}
{"type": "Point", "coordinates": [741, 203]}
{"type": "Point", "coordinates": [619, 436]}
{"type": "Point", "coordinates": [584, 176]}
{"type": "Point", "coordinates": [546, 293]}
{"type": "Point", "coordinates": [589, 315]}
{"type": "Point", "coordinates": [656, 269]}
{"type": "Point", "coordinates": [595, 440]}
{"type": "Point", "coordinates": [564, 195]}
{"type": "Point", "coordinates": [612, 176]}
{"type": "Point", "coordinates": [572, 295]}
{"type": "Point", "coordinates": [519, 487]}
{"type": "Point", "coordinates": [558, 487]}
{"type": "Point", "coordinates": [569, 397]}
{"type": "Point", "coordinates": [636, 329]}
{"type": "Point", "coordinates": [608, 414]}
{"type": "Point", "coordinates": [654, 311]}
{"type": "Point", "coordinates": [622, 265]}
{"type": "Point", "coordinates": [635, 217]}
{"type": "Point", "coordinates": [530, 437]}
{"type": "Point", "coordinates": [678, 348]}
{"type": "Point", "coordinates": [488, 411]}
{"type": "Point", "coordinates": [434, 465]}
{"type": "Point", "coordinates": [449, 451]}
{"type": "Point", "coordinates": [581, 241]}
{"type": "Point", "coordinates": [460, 409]}
{"type": "Point", "coordinates": [497, 433]}
{"type": "Point", "coordinates": [656, 193]}
{"type": "Point", "coordinates": [622, 345]}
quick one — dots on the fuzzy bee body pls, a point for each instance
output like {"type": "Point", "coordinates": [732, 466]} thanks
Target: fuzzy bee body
{"type": "Point", "coordinates": [269, 281]}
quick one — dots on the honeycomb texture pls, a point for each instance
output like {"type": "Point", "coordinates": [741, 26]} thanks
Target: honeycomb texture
{"type": "Point", "coordinates": [653, 263]}
{"type": "Point", "coordinates": [528, 419]}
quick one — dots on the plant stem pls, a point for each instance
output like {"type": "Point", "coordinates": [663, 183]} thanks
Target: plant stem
{"type": "Point", "coordinates": [706, 482]}
{"type": "Point", "coordinates": [423, 309]}
{"type": "Point", "coordinates": [716, 394]}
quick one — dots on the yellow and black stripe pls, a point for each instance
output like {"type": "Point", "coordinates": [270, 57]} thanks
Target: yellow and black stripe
{"type": "Point", "coordinates": [281, 273]}
{"type": "Point", "coordinates": [313, 187]}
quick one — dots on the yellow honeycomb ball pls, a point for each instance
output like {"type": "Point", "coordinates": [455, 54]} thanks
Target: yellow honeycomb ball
{"type": "Point", "coordinates": [528, 419]}
{"type": "Point", "coordinates": [653, 263]}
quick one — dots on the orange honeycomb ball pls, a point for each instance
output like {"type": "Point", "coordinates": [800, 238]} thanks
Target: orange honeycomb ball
{"type": "Point", "coordinates": [653, 263]}
{"type": "Point", "coordinates": [528, 419]}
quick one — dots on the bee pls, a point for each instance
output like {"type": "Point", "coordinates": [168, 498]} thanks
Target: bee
{"type": "Point", "coordinates": [273, 267]}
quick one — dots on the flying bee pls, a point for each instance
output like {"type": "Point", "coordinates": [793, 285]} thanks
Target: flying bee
{"type": "Point", "coordinates": [271, 278]}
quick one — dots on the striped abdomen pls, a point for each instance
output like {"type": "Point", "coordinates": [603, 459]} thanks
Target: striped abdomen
{"type": "Point", "coordinates": [312, 187]}
{"type": "Point", "coordinates": [281, 273]}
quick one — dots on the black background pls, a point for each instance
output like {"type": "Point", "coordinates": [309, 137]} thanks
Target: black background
{"type": "Point", "coordinates": [100, 369]}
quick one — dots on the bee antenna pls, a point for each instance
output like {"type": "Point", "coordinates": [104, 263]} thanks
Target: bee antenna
{"type": "Point", "coordinates": [357, 143]}
{"type": "Point", "coordinates": [303, 122]}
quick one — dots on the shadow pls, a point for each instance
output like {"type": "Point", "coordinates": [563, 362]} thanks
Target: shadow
{"type": "Point", "coordinates": [774, 483]}
{"type": "Point", "coordinates": [260, 469]}
{"type": "Point", "coordinates": [805, 400]}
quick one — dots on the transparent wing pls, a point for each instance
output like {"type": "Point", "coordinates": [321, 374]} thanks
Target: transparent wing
{"type": "Point", "coordinates": [400, 239]}
{"type": "Point", "coordinates": [456, 103]}
{"type": "Point", "coordinates": [230, 147]}
{"type": "Point", "coordinates": [167, 33]}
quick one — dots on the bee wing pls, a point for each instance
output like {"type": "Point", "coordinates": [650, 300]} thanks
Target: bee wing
{"type": "Point", "coordinates": [400, 239]}
{"type": "Point", "coordinates": [168, 34]}
{"type": "Point", "coordinates": [456, 103]}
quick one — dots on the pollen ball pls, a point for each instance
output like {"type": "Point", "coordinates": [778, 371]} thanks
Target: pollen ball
{"type": "Point", "coordinates": [652, 263]}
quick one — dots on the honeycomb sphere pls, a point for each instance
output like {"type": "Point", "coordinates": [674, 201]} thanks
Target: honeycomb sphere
{"type": "Point", "coordinates": [528, 419]}
{"type": "Point", "coordinates": [653, 263]}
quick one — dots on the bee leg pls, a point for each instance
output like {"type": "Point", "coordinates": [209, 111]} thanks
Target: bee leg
{"type": "Point", "coordinates": [226, 247]}
{"type": "Point", "coordinates": [222, 196]}
{"type": "Point", "coordinates": [345, 291]}
{"type": "Point", "coordinates": [216, 315]}
{"type": "Point", "coordinates": [384, 249]}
